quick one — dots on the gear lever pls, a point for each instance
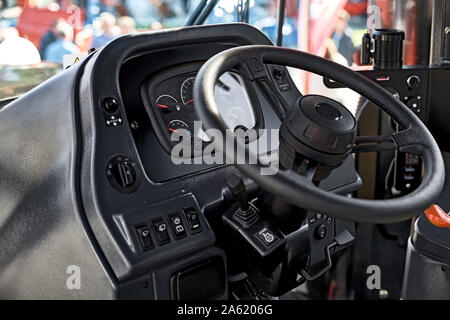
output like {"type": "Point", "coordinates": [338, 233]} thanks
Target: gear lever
{"type": "Point", "coordinates": [246, 214]}
{"type": "Point", "coordinates": [237, 188]}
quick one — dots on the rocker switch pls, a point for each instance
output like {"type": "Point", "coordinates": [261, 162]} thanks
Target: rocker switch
{"type": "Point", "coordinates": [177, 226]}
{"type": "Point", "coordinates": [162, 236]}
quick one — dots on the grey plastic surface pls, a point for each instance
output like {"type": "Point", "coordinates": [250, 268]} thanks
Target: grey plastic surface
{"type": "Point", "coordinates": [41, 234]}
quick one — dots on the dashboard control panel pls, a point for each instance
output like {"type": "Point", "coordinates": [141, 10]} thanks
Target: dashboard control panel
{"type": "Point", "coordinates": [410, 84]}
{"type": "Point", "coordinates": [176, 223]}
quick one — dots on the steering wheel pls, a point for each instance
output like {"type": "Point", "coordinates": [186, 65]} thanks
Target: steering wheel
{"type": "Point", "coordinates": [328, 119]}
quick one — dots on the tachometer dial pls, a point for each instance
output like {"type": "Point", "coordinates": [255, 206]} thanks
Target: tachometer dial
{"type": "Point", "coordinates": [186, 90]}
{"type": "Point", "coordinates": [235, 116]}
{"type": "Point", "coordinates": [176, 125]}
{"type": "Point", "coordinates": [233, 101]}
{"type": "Point", "coordinates": [167, 103]}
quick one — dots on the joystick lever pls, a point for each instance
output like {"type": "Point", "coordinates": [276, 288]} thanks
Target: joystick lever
{"type": "Point", "coordinates": [246, 214]}
{"type": "Point", "coordinates": [237, 189]}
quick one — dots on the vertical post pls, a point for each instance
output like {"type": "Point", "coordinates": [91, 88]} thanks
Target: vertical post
{"type": "Point", "coordinates": [280, 22]}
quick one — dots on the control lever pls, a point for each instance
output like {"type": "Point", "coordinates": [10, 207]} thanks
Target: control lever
{"type": "Point", "coordinates": [246, 213]}
{"type": "Point", "coordinates": [237, 188]}
{"type": "Point", "coordinates": [437, 216]}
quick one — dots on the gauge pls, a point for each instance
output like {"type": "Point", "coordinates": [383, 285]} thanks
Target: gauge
{"type": "Point", "coordinates": [166, 103]}
{"type": "Point", "coordinates": [175, 126]}
{"type": "Point", "coordinates": [233, 102]}
{"type": "Point", "coordinates": [235, 116]}
{"type": "Point", "coordinates": [186, 90]}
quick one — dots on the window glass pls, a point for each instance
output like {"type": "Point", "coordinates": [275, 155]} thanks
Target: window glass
{"type": "Point", "coordinates": [36, 34]}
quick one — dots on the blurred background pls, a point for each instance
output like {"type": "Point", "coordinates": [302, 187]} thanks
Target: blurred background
{"type": "Point", "coordinates": [36, 34]}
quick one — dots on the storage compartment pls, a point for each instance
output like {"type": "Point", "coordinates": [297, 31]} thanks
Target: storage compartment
{"type": "Point", "coordinates": [206, 280]}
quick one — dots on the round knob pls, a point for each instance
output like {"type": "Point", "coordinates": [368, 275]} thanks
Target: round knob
{"type": "Point", "coordinates": [110, 105]}
{"type": "Point", "coordinates": [413, 82]}
{"type": "Point", "coordinates": [121, 174]}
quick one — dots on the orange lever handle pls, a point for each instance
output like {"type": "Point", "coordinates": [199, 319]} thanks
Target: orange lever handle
{"type": "Point", "coordinates": [437, 216]}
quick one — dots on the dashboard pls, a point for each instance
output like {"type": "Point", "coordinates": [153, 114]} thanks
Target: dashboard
{"type": "Point", "coordinates": [151, 218]}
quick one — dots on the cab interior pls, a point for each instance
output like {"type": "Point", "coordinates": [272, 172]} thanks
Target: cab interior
{"type": "Point", "coordinates": [351, 204]}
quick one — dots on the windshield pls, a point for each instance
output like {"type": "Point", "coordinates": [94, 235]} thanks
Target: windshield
{"type": "Point", "coordinates": [35, 35]}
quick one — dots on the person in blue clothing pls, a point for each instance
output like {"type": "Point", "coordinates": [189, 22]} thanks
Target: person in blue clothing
{"type": "Point", "coordinates": [62, 45]}
{"type": "Point", "coordinates": [341, 39]}
{"type": "Point", "coordinates": [48, 37]}
{"type": "Point", "coordinates": [108, 23]}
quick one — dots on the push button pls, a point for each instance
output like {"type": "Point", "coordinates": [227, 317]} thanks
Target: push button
{"type": "Point", "coordinates": [177, 226]}
{"type": "Point", "coordinates": [266, 236]}
{"type": "Point", "coordinates": [162, 236]}
{"type": "Point", "coordinates": [193, 220]}
{"type": "Point", "coordinates": [145, 239]}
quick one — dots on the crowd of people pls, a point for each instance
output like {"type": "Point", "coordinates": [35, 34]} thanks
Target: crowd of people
{"type": "Point", "coordinates": [101, 22]}
{"type": "Point", "coordinates": [104, 20]}
{"type": "Point", "coordinates": [59, 40]}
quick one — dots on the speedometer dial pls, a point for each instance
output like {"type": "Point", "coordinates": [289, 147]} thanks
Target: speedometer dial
{"type": "Point", "coordinates": [186, 90]}
{"type": "Point", "coordinates": [176, 125]}
{"type": "Point", "coordinates": [233, 102]}
{"type": "Point", "coordinates": [167, 103]}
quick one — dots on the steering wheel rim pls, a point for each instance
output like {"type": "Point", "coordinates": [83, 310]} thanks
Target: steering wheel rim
{"type": "Point", "coordinates": [296, 189]}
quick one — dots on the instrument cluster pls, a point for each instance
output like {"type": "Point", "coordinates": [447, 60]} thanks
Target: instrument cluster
{"type": "Point", "coordinates": [170, 103]}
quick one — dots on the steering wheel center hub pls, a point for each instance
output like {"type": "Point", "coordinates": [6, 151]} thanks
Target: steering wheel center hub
{"type": "Point", "coordinates": [328, 111]}
{"type": "Point", "coordinates": [319, 129]}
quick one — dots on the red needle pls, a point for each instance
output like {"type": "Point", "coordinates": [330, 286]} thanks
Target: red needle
{"type": "Point", "coordinates": [173, 130]}
{"type": "Point", "coordinates": [162, 106]}
{"type": "Point", "coordinates": [189, 101]}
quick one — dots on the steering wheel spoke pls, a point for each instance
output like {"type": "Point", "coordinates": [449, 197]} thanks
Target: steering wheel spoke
{"type": "Point", "coordinates": [273, 97]}
{"type": "Point", "coordinates": [374, 144]}
{"type": "Point", "coordinates": [410, 140]}
{"type": "Point", "coordinates": [256, 71]}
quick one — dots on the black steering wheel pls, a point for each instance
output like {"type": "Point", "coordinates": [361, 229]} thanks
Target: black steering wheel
{"type": "Point", "coordinates": [298, 189]}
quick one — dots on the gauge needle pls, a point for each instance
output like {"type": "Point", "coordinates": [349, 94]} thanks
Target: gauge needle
{"type": "Point", "coordinates": [189, 101]}
{"type": "Point", "coordinates": [162, 106]}
{"type": "Point", "coordinates": [173, 130]}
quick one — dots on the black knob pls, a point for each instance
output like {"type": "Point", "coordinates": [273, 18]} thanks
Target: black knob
{"type": "Point", "coordinates": [320, 232]}
{"type": "Point", "coordinates": [413, 82]}
{"type": "Point", "coordinates": [110, 105]}
{"type": "Point", "coordinates": [121, 174]}
{"type": "Point", "coordinates": [237, 188]}
{"type": "Point", "coordinates": [278, 74]}
{"type": "Point", "coordinates": [124, 174]}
